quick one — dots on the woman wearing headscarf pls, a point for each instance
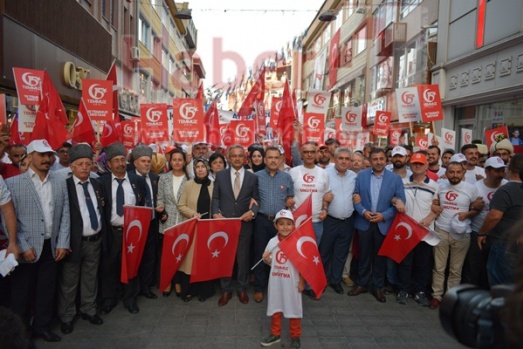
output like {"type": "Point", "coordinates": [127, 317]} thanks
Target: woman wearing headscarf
{"type": "Point", "coordinates": [170, 189]}
{"type": "Point", "coordinates": [257, 159]}
{"type": "Point", "coordinates": [196, 202]}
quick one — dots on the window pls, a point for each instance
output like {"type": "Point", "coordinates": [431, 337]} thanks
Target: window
{"type": "Point", "coordinates": [172, 65]}
{"type": "Point", "coordinates": [165, 59]}
{"type": "Point", "coordinates": [360, 40]}
{"type": "Point", "coordinates": [144, 32]}
{"type": "Point", "coordinates": [384, 15]}
{"type": "Point", "coordinates": [339, 20]}
{"type": "Point", "coordinates": [327, 33]}
{"type": "Point", "coordinates": [407, 6]}
{"type": "Point", "coordinates": [346, 56]}
{"type": "Point", "coordinates": [407, 66]}
{"type": "Point", "coordinates": [104, 8]}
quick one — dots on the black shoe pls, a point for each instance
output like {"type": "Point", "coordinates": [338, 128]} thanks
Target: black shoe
{"type": "Point", "coordinates": [132, 308]}
{"type": "Point", "coordinates": [166, 294]}
{"type": "Point", "coordinates": [310, 294]}
{"type": "Point", "coordinates": [66, 327]}
{"type": "Point", "coordinates": [48, 336]}
{"type": "Point", "coordinates": [148, 295]}
{"type": "Point", "coordinates": [93, 319]}
{"type": "Point", "coordinates": [337, 288]}
{"type": "Point", "coordinates": [108, 307]}
{"type": "Point", "coordinates": [202, 298]}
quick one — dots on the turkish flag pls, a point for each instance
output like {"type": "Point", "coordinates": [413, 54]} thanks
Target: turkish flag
{"type": "Point", "coordinates": [494, 134]}
{"type": "Point", "coordinates": [110, 134]}
{"type": "Point", "coordinates": [111, 75]}
{"type": "Point", "coordinates": [199, 94]}
{"type": "Point", "coordinates": [215, 248]}
{"type": "Point", "coordinates": [285, 123]}
{"type": "Point", "coordinates": [135, 230]}
{"type": "Point", "coordinates": [212, 125]}
{"type": "Point", "coordinates": [302, 212]}
{"type": "Point", "coordinates": [83, 131]}
{"type": "Point", "coordinates": [301, 248]}
{"type": "Point", "coordinates": [18, 137]}
{"type": "Point", "coordinates": [248, 104]}
{"type": "Point", "coordinates": [397, 245]}
{"type": "Point", "coordinates": [176, 243]}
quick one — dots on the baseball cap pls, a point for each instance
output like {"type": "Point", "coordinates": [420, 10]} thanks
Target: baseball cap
{"type": "Point", "coordinates": [495, 162]}
{"type": "Point", "coordinates": [458, 157]}
{"type": "Point", "coordinates": [418, 158]}
{"type": "Point", "coordinates": [399, 151]}
{"type": "Point", "coordinates": [284, 214]}
{"type": "Point", "coordinates": [39, 146]}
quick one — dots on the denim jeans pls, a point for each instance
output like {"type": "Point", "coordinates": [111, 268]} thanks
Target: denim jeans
{"type": "Point", "coordinates": [501, 264]}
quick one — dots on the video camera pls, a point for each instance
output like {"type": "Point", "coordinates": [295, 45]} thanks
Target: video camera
{"type": "Point", "coordinates": [474, 316]}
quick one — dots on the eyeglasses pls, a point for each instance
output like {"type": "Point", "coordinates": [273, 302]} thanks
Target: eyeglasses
{"type": "Point", "coordinates": [309, 151]}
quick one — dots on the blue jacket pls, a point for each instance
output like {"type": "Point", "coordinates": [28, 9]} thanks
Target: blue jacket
{"type": "Point", "coordinates": [392, 186]}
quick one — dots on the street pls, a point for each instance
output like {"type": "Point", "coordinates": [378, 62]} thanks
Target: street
{"type": "Point", "coordinates": [336, 321]}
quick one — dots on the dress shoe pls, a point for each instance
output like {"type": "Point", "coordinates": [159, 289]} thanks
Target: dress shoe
{"type": "Point", "coordinates": [187, 298]}
{"type": "Point", "coordinates": [66, 327]}
{"type": "Point", "coordinates": [258, 297]}
{"type": "Point", "coordinates": [93, 319]}
{"type": "Point", "coordinates": [348, 281]}
{"type": "Point", "coordinates": [310, 294]}
{"type": "Point", "coordinates": [148, 295]}
{"type": "Point", "coordinates": [108, 307]}
{"type": "Point", "coordinates": [357, 291]}
{"type": "Point", "coordinates": [242, 296]}
{"type": "Point", "coordinates": [48, 336]}
{"type": "Point", "coordinates": [379, 295]}
{"type": "Point", "coordinates": [132, 307]}
{"type": "Point", "coordinates": [166, 294]}
{"type": "Point", "coordinates": [224, 299]}
{"type": "Point", "coordinates": [337, 288]}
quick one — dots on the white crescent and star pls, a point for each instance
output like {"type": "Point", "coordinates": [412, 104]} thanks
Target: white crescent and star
{"type": "Point", "coordinates": [409, 230]}
{"type": "Point", "coordinates": [300, 219]}
{"type": "Point", "coordinates": [301, 241]}
{"type": "Point", "coordinates": [135, 223]}
{"type": "Point", "coordinates": [178, 239]}
{"type": "Point", "coordinates": [221, 234]}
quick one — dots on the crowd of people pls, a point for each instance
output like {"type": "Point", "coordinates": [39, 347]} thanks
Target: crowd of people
{"type": "Point", "coordinates": [62, 219]}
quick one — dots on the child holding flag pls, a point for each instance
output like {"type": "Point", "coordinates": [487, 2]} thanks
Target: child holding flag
{"type": "Point", "coordinates": [285, 285]}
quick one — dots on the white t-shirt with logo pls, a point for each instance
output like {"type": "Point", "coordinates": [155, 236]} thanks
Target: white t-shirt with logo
{"type": "Point", "coordinates": [454, 199]}
{"type": "Point", "coordinates": [486, 193]}
{"type": "Point", "coordinates": [283, 295]}
{"type": "Point", "coordinates": [307, 181]}
{"type": "Point", "coordinates": [470, 175]}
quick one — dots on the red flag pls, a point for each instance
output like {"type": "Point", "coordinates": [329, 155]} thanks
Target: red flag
{"type": "Point", "coordinates": [212, 125]}
{"type": "Point", "coordinates": [285, 123]}
{"type": "Point", "coordinates": [494, 134]}
{"type": "Point", "coordinates": [215, 248]}
{"type": "Point", "coordinates": [110, 134]}
{"type": "Point", "coordinates": [199, 95]}
{"type": "Point", "coordinates": [304, 211]}
{"type": "Point", "coordinates": [18, 137]}
{"type": "Point", "coordinates": [83, 131]}
{"type": "Point", "coordinates": [334, 52]}
{"type": "Point", "coordinates": [135, 230]}
{"type": "Point", "coordinates": [396, 245]}
{"type": "Point", "coordinates": [261, 92]}
{"type": "Point", "coordinates": [50, 118]}
{"type": "Point", "coordinates": [301, 249]}
{"type": "Point", "coordinates": [111, 75]}
{"type": "Point", "coordinates": [248, 104]}
{"type": "Point", "coordinates": [175, 249]}
{"type": "Point", "coordinates": [242, 132]}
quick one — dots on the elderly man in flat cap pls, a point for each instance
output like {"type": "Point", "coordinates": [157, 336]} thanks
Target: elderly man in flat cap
{"type": "Point", "coordinates": [80, 268]}
{"type": "Point", "coordinates": [121, 188]}
{"type": "Point", "coordinates": [142, 159]}
{"type": "Point", "coordinates": [42, 211]}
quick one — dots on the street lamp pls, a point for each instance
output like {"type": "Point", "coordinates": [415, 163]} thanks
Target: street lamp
{"type": "Point", "coordinates": [327, 16]}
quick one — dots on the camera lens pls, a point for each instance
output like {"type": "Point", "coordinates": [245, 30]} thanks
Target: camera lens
{"type": "Point", "coordinates": [460, 310]}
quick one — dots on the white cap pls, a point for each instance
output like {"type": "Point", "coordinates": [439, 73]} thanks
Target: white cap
{"type": "Point", "coordinates": [458, 157]}
{"type": "Point", "coordinates": [39, 146]}
{"type": "Point", "coordinates": [284, 214]}
{"type": "Point", "coordinates": [458, 228]}
{"type": "Point", "coordinates": [495, 162]}
{"type": "Point", "coordinates": [398, 150]}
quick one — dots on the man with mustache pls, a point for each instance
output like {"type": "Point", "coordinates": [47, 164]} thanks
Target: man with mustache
{"type": "Point", "coordinates": [474, 173]}
{"type": "Point", "coordinates": [42, 210]}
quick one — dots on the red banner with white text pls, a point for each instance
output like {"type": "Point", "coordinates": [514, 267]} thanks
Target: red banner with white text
{"type": "Point", "coordinates": [98, 99]}
{"type": "Point", "coordinates": [188, 116]}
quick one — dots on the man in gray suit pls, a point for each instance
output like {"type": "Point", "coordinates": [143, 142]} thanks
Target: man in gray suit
{"type": "Point", "coordinates": [233, 190]}
{"type": "Point", "coordinates": [42, 210]}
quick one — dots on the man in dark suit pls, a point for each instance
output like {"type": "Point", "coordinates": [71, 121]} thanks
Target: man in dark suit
{"type": "Point", "coordinates": [233, 190]}
{"type": "Point", "coordinates": [80, 268]}
{"type": "Point", "coordinates": [142, 156]}
{"type": "Point", "coordinates": [42, 211]}
{"type": "Point", "coordinates": [121, 188]}
{"type": "Point", "coordinates": [376, 187]}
